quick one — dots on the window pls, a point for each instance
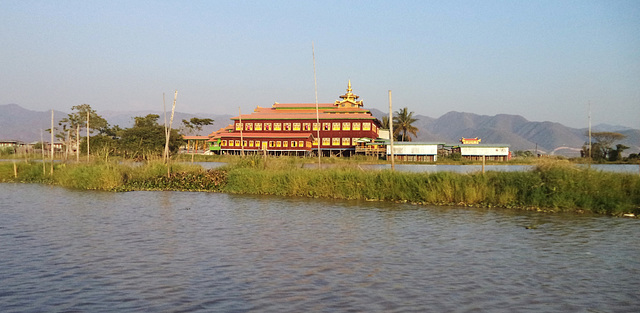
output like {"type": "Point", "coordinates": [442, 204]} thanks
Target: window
{"type": "Point", "coordinates": [294, 144]}
{"type": "Point", "coordinates": [287, 127]}
{"type": "Point", "coordinates": [238, 126]}
{"type": "Point", "coordinates": [326, 141]}
{"type": "Point", "coordinates": [306, 127]}
{"type": "Point", "coordinates": [315, 141]}
{"type": "Point", "coordinates": [237, 143]}
{"type": "Point", "coordinates": [335, 141]}
{"type": "Point", "coordinates": [248, 126]}
{"type": "Point", "coordinates": [296, 126]}
{"type": "Point", "coordinates": [278, 143]}
{"type": "Point", "coordinates": [354, 141]}
{"type": "Point", "coordinates": [264, 145]}
{"type": "Point", "coordinates": [308, 144]}
{"type": "Point", "coordinates": [285, 144]}
{"type": "Point", "coordinates": [277, 126]}
{"type": "Point", "coordinates": [326, 126]}
{"type": "Point", "coordinates": [250, 143]}
{"type": "Point", "coordinates": [230, 143]}
{"type": "Point", "coordinates": [316, 126]}
{"type": "Point", "coordinates": [346, 126]}
{"type": "Point", "coordinates": [244, 143]}
{"type": "Point", "coordinates": [301, 143]}
{"type": "Point", "coordinates": [366, 126]}
{"type": "Point", "coordinates": [224, 142]}
{"type": "Point", "coordinates": [267, 126]}
{"type": "Point", "coordinates": [272, 144]}
{"type": "Point", "coordinates": [336, 126]}
{"type": "Point", "coordinates": [346, 141]}
{"type": "Point", "coordinates": [356, 126]}
{"type": "Point", "coordinates": [257, 126]}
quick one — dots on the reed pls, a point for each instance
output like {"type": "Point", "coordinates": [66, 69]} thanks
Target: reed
{"type": "Point", "coordinates": [88, 176]}
{"type": "Point", "coordinates": [550, 186]}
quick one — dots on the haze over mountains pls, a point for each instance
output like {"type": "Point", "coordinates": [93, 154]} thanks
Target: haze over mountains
{"type": "Point", "coordinates": [17, 123]}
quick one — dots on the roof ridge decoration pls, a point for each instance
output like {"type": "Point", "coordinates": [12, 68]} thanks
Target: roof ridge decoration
{"type": "Point", "coordinates": [349, 99]}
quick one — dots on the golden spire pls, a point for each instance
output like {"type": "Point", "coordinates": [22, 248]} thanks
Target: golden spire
{"type": "Point", "coordinates": [349, 99]}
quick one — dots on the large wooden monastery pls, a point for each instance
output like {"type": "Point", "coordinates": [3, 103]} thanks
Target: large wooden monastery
{"type": "Point", "coordinates": [298, 128]}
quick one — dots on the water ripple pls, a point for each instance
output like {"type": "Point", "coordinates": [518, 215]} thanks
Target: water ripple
{"type": "Point", "coordinates": [70, 251]}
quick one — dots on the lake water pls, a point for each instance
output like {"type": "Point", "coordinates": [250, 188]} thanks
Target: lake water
{"type": "Point", "coordinates": [83, 251]}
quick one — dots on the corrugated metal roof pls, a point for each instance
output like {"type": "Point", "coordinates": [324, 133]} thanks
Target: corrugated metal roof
{"type": "Point", "coordinates": [302, 116]}
{"type": "Point", "coordinates": [267, 135]}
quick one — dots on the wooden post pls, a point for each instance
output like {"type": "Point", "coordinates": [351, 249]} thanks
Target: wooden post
{"type": "Point", "coordinates": [393, 162]}
{"type": "Point", "coordinates": [193, 153]}
{"type": "Point", "coordinates": [168, 128]}
{"type": "Point", "coordinates": [67, 145]}
{"type": "Point", "coordinates": [15, 170]}
{"type": "Point", "coordinates": [87, 136]}
{"type": "Point", "coordinates": [483, 161]}
{"type": "Point", "coordinates": [51, 142]}
{"type": "Point", "coordinates": [78, 143]}
{"type": "Point", "coordinates": [44, 169]}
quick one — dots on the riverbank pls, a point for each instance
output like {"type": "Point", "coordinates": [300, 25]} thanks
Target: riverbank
{"type": "Point", "coordinates": [550, 186]}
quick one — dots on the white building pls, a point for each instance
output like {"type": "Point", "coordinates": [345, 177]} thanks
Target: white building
{"type": "Point", "coordinates": [414, 151]}
{"type": "Point", "coordinates": [495, 152]}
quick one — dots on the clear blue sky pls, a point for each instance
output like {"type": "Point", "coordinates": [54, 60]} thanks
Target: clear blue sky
{"type": "Point", "coordinates": [544, 60]}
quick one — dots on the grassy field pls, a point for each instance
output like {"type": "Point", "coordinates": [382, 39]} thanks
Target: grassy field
{"type": "Point", "coordinates": [551, 186]}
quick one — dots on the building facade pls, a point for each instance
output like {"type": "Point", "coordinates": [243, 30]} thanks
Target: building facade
{"type": "Point", "coordinates": [494, 152]}
{"type": "Point", "coordinates": [414, 151]}
{"type": "Point", "coordinates": [299, 129]}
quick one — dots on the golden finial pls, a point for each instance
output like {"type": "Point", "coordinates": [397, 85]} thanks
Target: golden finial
{"type": "Point", "coordinates": [349, 99]}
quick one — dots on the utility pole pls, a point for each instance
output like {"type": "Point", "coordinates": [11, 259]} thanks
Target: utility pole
{"type": "Point", "coordinates": [393, 162]}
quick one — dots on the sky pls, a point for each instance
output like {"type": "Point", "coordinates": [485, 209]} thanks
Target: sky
{"type": "Point", "coordinates": [543, 60]}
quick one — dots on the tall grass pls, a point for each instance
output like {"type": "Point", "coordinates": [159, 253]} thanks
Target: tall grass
{"type": "Point", "coordinates": [550, 186]}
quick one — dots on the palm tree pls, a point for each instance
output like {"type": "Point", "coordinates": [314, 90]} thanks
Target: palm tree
{"type": "Point", "coordinates": [402, 123]}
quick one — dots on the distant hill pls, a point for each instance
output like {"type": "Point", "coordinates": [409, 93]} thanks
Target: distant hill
{"type": "Point", "coordinates": [515, 130]}
{"type": "Point", "coordinates": [17, 123]}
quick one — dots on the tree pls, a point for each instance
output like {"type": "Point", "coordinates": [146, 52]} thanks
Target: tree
{"type": "Point", "coordinates": [616, 155]}
{"type": "Point", "coordinates": [147, 138]}
{"type": "Point", "coordinates": [403, 124]}
{"type": "Point", "coordinates": [195, 124]}
{"type": "Point", "coordinates": [76, 120]}
{"type": "Point", "coordinates": [601, 149]}
{"type": "Point", "coordinates": [523, 153]}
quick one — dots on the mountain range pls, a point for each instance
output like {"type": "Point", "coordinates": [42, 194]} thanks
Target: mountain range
{"type": "Point", "coordinates": [514, 130]}
{"type": "Point", "coordinates": [17, 123]}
